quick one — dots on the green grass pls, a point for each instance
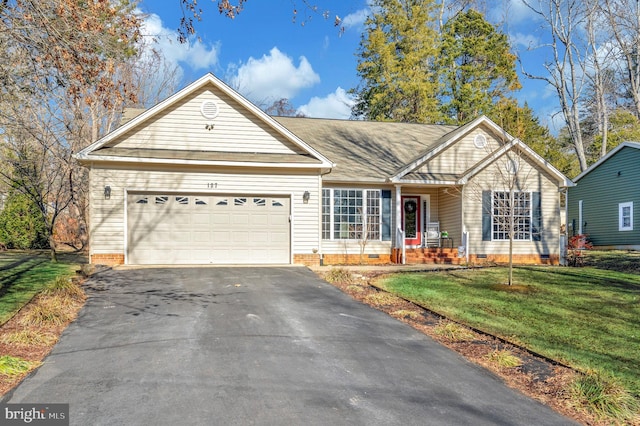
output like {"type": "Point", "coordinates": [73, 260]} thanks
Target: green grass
{"type": "Point", "coordinates": [585, 317]}
{"type": "Point", "coordinates": [22, 276]}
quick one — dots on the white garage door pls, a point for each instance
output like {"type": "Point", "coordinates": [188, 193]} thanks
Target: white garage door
{"type": "Point", "coordinates": [204, 229]}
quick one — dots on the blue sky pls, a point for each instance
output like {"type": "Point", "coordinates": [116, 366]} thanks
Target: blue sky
{"type": "Point", "coordinates": [264, 55]}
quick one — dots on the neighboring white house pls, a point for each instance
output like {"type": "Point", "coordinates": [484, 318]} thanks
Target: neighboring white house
{"type": "Point", "coordinates": [206, 177]}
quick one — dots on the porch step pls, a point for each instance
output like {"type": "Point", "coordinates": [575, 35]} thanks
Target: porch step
{"type": "Point", "coordinates": [433, 256]}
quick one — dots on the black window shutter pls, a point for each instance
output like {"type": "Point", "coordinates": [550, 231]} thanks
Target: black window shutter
{"type": "Point", "coordinates": [536, 217]}
{"type": "Point", "coordinates": [486, 215]}
{"type": "Point", "coordinates": [386, 214]}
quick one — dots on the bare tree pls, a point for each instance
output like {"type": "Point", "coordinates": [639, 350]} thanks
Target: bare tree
{"type": "Point", "coordinates": [623, 18]}
{"type": "Point", "coordinates": [566, 70]}
{"type": "Point", "coordinates": [60, 73]}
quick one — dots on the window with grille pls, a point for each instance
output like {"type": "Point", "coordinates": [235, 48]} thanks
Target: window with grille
{"type": "Point", "coordinates": [351, 214]}
{"type": "Point", "coordinates": [511, 211]}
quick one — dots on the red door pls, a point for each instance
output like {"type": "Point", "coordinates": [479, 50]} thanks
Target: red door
{"type": "Point", "coordinates": [411, 221]}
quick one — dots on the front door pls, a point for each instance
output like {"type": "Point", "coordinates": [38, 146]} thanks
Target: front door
{"type": "Point", "coordinates": [411, 220]}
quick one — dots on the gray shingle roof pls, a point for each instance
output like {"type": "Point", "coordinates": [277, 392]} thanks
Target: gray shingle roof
{"type": "Point", "coordinates": [366, 151]}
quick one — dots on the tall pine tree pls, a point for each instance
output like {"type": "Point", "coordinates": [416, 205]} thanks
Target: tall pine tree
{"type": "Point", "coordinates": [396, 64]}
{"type": "Point", "coordinates": [476, 66]}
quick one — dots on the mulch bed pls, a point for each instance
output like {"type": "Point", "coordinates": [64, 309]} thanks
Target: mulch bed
{"type": "Point", "coordinates": [537, 377]}
{"type": "Point", "coordinates": [31, 352]}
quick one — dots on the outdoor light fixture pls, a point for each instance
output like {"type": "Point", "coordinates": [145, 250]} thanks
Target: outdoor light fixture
{"type": "Point", "coordinates": [305, 197]}
{"type": "Point", "coordinates": [107, 192]}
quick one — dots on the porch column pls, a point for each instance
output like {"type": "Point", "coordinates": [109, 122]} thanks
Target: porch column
{"type": "Point", "coordinates": [399, 239]}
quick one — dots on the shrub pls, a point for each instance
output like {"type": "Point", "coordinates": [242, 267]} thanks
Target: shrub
{"type": "Point", "coordinates": [21, 224]}
{"type": "Point", "coordinates": [12, 366]}
{"type": "Point", "coordinates": [575, 249]}
{"type": "Point", "coordinates": [339, 276]}
{"type": "Point", "coordinates": [604, 397]}
{"type": "Point", "coordinates": [504, 358]}
{"type": "Point", "coordinates": [453, 331]}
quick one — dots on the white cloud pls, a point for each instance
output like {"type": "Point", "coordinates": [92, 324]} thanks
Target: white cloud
{"type": "Point", "coordinates": [335, 105]}
{"type": "Point", "coordinates": [272, 77]}
{"type": "Point", "coordinates": [516, 11]}
{"type": "Point", "coordinates": [356, 19]}
{"type": "Point", "coordinates": [527, 41]}
{"type": "Point", "coordinates": [195, 54]}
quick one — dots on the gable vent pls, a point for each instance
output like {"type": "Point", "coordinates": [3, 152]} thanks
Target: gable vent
{"type": "Point", "coordinates": [209, 109]}
{"type": "Point", "coordinates": [480, 141]}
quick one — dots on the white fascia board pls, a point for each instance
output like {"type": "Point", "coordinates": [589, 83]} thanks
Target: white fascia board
{"type": "Point", "coordinates": [111, 159]}
{"type": "Point", "coordinates": [541, 162]}
{"type": "Point", "coordinates": [425, 182]}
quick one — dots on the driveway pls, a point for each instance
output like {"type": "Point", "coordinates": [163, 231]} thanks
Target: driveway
{"type": "Point", "coordinates": [265, 346]}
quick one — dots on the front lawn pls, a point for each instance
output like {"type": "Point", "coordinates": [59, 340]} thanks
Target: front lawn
{"type": "Point", "coordinates": [22, 276]}
{"type": "Point", "coordinates": [588, 318]}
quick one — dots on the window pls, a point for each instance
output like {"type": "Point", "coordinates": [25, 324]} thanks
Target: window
{"type": "Point", "coordinates": [511, 207]}
{"type": "Point", "coordinates": [351, 214]}
{"type": "Point", "coordinates": [625, 216]}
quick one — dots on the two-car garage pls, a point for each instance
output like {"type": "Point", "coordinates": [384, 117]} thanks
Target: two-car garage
{"type": "Point", "coordinates": [170, 228]}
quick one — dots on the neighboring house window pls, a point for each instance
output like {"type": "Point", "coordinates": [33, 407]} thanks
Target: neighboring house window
{"type": "Point", "coordinates": [351, 214]}
{"type": "Point", "coordinates": [502, 208]}
{"type": "Point", "coordinates": [625, 214]}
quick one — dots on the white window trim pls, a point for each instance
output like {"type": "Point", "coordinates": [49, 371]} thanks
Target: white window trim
{"type": "Point", "coordinates": [365, 193]}
{"type": "Point", "coordinates": [621, 208]}
{"type": "Point", "coordinates": [530, 218]}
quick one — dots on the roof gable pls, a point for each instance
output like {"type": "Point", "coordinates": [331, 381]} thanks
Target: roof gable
{"type": "Point", "coordinates": [476, 162]}
{"type": "Point", "coordinates": [614, 151]}
{"type": "Point", "coordinates": [206, 117]}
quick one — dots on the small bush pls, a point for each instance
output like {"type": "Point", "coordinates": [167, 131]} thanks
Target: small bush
{"type": "Point", "coordinates": [339, 276]}
{"type": "Point", "coordinates": [29, 337]}
{"type": "Point", "coordinates": [406, 313]}
{"type": "Point", "coordinates": [65, 287]}
{"type": "Point", "coordinates": [453, 331]}
{"type": "Point", "coordinates": [604, 397]}
{"type": "Point", "coordinates": [504, 358]}
{"type": "Point", "coordinates": [380, 298]}
{"type": "Point", "coordinates": [12, 366]}
{"type": "Point", "coordinates": [49, 311]}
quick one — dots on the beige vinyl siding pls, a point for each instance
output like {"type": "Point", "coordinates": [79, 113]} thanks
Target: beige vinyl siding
{"type": "Point", "coordinates": [460, 156]}
{"type": "Point", "coordinates": [108, 216]}
{"type": "Point", "coordinates": [536, 181]}
{"type": "Point", "coordinates": [450, 209]}
{"type": "Point", "coordinates": [182, 127]}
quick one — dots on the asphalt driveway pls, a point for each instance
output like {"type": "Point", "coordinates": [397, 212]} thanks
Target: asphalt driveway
{"type": "Point", "coordinates": [275, 346]}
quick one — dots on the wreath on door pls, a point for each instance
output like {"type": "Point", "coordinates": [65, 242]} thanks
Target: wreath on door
{"type": "Point", "coordinates": [410, 206]}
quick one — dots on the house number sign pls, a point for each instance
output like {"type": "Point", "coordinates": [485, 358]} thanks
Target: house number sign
{"type": "Point", "coordinates": [212, 185]}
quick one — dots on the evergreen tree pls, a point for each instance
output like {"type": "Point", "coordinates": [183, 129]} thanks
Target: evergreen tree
{"type": "Point", "coordinates": [476, 66]}
{"type": "Point", "coordinates": [396, 63]}
{"type": "Point", "coordinates": [21, 224]}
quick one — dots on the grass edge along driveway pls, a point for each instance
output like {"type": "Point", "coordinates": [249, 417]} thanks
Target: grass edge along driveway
{"type": "Point", "coordinates": [584, 317]}
{"type": "Point", "coordinates": [22, 276]}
